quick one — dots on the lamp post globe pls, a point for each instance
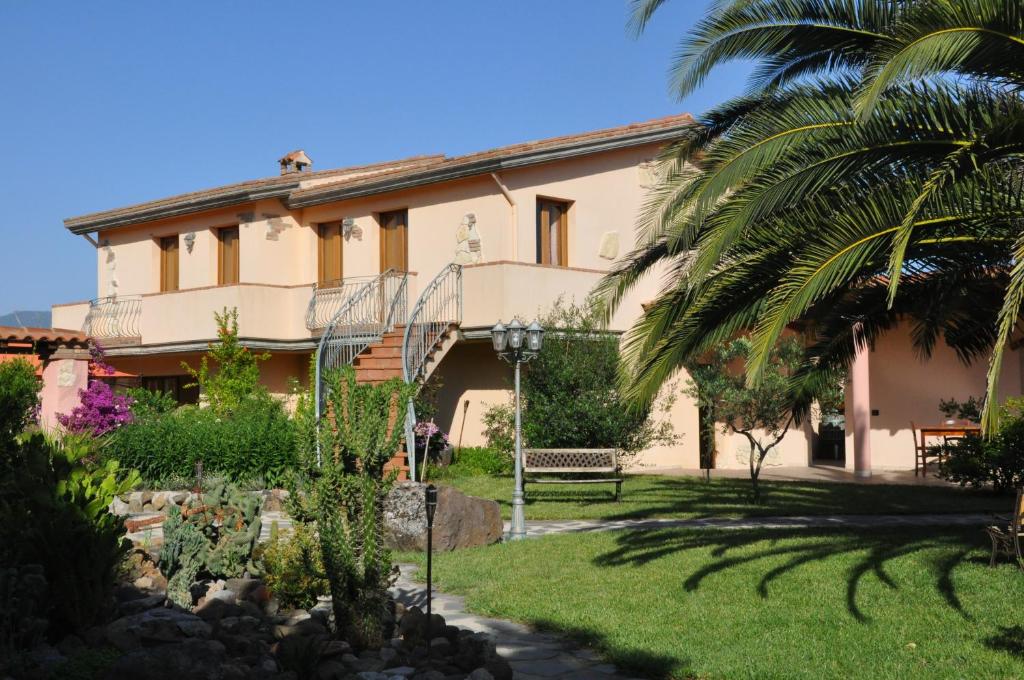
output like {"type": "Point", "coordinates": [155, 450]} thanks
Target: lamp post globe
{"type": "Point", "coordinates": [534, 336]}
{"type": "Point", "coordinates": [515, 334]}
{"type": "Point", "coordinates": [499, 337]}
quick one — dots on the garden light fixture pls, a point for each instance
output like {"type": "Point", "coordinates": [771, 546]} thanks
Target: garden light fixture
{"type": "Point", "coordinates": [431, 503]}
{"type": "Point", "coordinates": [517, 344]}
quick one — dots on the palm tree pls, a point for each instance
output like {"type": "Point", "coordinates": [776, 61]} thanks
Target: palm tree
{"type": "Point", "coordinates": [871, 173]}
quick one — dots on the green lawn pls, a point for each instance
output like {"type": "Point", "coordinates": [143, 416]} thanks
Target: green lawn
{"type": "Point", "coordinates": [677, 603]}
{"type": "Point", "coordinates": [649, 496]}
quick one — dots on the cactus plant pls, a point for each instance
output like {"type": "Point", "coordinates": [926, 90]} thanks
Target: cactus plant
{"type": "Point", "coordinates": [214, 537]}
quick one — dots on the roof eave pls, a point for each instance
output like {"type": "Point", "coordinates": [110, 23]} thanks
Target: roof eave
{"type": "Point", "coordinates": [186, 206]}
{"type": "Point", "coordinates": [327, 194]}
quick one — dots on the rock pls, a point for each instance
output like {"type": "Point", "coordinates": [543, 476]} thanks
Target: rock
{"type": "Point", "coordinates": [331, 670]}
{"type": "Point", "coordinates": [71, 645]}
{"type": "Point", "coordinates": [461, 521]}
{"type": "Point", "coordinates": [215, 610]}
{"type": "Point", "coordinates": [251, 589]}
{"type": "Point", "coordinates": [440, 646]}
{"type": "Point", "coordinates": [135, 502]}
{"type": "Point", "coordinates": [141, 604]}
{"type": "Point", "coordinates": [143, 582]}
{"type": "Point", "coordinates": [198, 659]}
{"type": "Point", "coordinates": [159, 501]}
{"type": "Point", "coordinates": [119, 507]}
{"type": "Point", "coordinates": [146, 497]}
{"type": "Point", "coordinates": [401, 671]}
{"type": "Point", "coordinates": [46, 656]}
{"type": "Point", "coordinates": [499, 668]}
{"type": "Point", "coordinates": [155, 626]}
{"type": "Point", "coordinates": [371, 675]}
{"type": "Point", "coordinates": [388, 654]}
{"type": "Point", "coordinates": [432, 675]}
{"type": "Point", "coordinates": [335, 648]}
{"type": "Point", "coordinates": [481, 674]}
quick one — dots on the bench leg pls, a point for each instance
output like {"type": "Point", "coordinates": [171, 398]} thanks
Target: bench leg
{"type": "Point", "coordinates": [618, 491]}
{"type": "Point", "coordinates": [524, 490]}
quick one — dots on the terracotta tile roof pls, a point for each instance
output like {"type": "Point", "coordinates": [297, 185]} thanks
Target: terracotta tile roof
{"type": "Point", "coordinates": [29, 335]}
{"type": "Point", "coordinates": [32, 359]}
{"type": "Point", "coordinates": [310, 188]}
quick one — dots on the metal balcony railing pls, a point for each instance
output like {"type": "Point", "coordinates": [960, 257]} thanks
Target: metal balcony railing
{"type": "Point", "coordinates": [114, 318]}
{"type": "Point", "coordinates": [437, 309]}
{"type": "Point", "coordinates": [372, 310]}
{"type": "Point", "coordinates": [329, 297]}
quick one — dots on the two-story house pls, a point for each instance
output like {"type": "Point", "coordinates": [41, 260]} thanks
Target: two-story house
{"type": "Point", "coordinates": [347, 257]}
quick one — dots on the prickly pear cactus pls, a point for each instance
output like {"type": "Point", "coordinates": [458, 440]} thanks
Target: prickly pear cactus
{"type": "Point", "coordinates": [182, 557]}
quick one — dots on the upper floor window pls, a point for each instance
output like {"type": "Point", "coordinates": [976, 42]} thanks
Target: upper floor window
{"type": "Point", "coordinates": [227, 255]}
{"type": "Point", "coordinates": [552, 232]}
{"type": "Point", "coordinates": [394, 240]}
{"type": "Point", "coordinates": [329, 246]}
{"type": "Point", "coordinates": [169, 263]}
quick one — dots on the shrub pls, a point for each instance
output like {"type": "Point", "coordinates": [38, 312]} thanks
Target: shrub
{"type": "Point", "coordinates": [150, 403]}
{"type": "Point", "coordinates": [19, 398]}
{"type": "Point", "coordinates": [341, 487]}
{"type": "Point", "coordinates": [101, 409]}
{"type": "Point", "coordinates": [997, 460]}
{"type": "Point", "coordinates": [293, 568]}
{"type": "Point", "coordinates": [53, 500]}
{"type": "Point", "coordinates": [499, 428]}
{"type": "Point", "coordinates": [237, 378]}
{"type": "Point", "coordinates": [256, 440]}
{"type": "Point", "coordinates": [474, 461]}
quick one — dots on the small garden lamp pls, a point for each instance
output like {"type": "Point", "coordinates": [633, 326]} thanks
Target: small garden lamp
{"type": "Point", "coordinates": [431, 503]}
{"type": "Point", "coordinates": [517, 344]}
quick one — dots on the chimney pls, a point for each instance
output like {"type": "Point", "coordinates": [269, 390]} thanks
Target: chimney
{"type": "Point", "coordinates": [296, 161]}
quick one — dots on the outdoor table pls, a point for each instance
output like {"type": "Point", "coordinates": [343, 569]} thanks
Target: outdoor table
{"type": "Point", "coordinates": [960, 428]}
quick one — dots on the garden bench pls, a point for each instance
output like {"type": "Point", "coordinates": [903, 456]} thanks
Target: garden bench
{"type": "Point", "coordinates": [573, 462]}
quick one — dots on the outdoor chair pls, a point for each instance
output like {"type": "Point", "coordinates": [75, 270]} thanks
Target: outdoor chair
{"type": "Point", "coordinates": [922, 453]}
{"type": "Point", "coordinates": [1006, 535]}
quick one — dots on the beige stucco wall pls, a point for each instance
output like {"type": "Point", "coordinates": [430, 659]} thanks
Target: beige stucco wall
{"type": "Point", "coordinates": [905, 388]}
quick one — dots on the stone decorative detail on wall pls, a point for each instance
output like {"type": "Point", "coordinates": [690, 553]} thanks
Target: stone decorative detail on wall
{"type": "Point", "coordinates": [649, 173]}
{"type": "Point", "coordinates": [349, 229]}
{"type": "Point", "coordinates": [275, 225]}
{"type": "Point", "coordinates": [609, 246]}
{"type": "Point", "coordinates": [468, 247]}
{"type": "Point", "coordinates": [66, 373]}
{"type": "Point", "coordinates": [110, 261]}
{"type": "Point", "coordinates": [190, 241]}
{"type": "Point", "coordinates": [245, 217]}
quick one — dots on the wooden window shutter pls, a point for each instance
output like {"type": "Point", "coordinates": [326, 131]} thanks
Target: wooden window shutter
{"type": "Point", "coordinates": [228, 256]}
{"type": "Point", "coordinates": [169, 263]}
{"type": "Point", "coordinates": [330, 268]}
{"type": "Point", "coordinates": [552, 232]}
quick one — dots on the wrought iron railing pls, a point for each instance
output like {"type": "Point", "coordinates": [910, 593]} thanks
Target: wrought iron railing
{"type": "Point", "coordinates": [116, 317]}
{"type": "Point", "coordinates": [374, 309]}
{"type": "Point", "coordinates": [329, 297]}
{"type": "Point", "coordinates": [438, 307]}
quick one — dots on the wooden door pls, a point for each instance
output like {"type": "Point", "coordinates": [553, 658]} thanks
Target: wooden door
{"type": "Point", "coordinates": [169, 263]}
{"type": "Point", "coordinates": [552, 232]}
{"type": "Point", "coordinates": [227, 255]}
{"type": "Point", "coordinates": [394, 241]}
{"type": "Point", "coordinates": [329, 255]}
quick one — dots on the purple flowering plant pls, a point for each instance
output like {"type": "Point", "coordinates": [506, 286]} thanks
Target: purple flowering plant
{"type": "Point", "coordinates": [101, 410]}
{"type": "Point", "coordinates": [428, 432]}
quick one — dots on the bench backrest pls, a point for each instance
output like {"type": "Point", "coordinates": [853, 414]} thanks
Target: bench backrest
{"type": "Point", "coordinates": [570, 460]}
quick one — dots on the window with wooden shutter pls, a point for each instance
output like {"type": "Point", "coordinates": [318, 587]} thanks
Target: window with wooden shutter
{"type": "Point", "coordinates": [227, 252]}
{"type": "Point", "coordinates": [169, 263]}
{"type": "Point", "coordinates": [329, 250]}
{"type": "Point", "coordinates": [552, 232]}
{"type": "Point", "coordinates": [394, 240]}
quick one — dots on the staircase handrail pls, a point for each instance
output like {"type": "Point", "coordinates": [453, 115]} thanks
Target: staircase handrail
{"type": "Point", "coordinates": [360, 322]}
{"type": "Point", "coordinates": [438, 306]}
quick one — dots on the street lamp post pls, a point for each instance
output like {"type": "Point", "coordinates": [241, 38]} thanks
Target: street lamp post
{"type": "Point", "coordinates": [517, 344]}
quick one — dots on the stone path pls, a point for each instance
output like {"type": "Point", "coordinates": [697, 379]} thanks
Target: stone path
{"type": "Point", "coordinates": [546, 527]}
{"type": "Point", "coordinates": [532, 655]}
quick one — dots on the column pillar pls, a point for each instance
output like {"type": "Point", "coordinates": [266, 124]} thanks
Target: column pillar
{"type": "Point", "coordinates": [65, 373]}
{"type": "Point", "coordinates": [861, 388]}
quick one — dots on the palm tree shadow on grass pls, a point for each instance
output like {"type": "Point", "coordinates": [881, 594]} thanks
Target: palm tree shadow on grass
{"type": "Point", "coordinates": [636, 548]}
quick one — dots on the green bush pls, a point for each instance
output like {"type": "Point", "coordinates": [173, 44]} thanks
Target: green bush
{"type": "Point", "coordinates": [474, 461]}
{"type": "Point", "coordinates": [570, 393]}
{"type": "Point", "coordinates": [53, 501]}
{"type": "Point", "coordinates": [293, 568]}
{"type": "Point", "coordinates": [997, 460]}
{"type": "Point", "coordinates": [19, 398]}
{"type": "Point", "coordinates": [256, 440]}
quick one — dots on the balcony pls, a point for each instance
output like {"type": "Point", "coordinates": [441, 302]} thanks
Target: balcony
{"type": "Point", "coordinates": [114, 320]}
{"type": "Point", "coordinates": [328, 299]}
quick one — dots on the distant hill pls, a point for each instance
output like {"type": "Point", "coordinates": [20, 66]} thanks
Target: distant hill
{"type": "Point", "coordinates": [32, 319]}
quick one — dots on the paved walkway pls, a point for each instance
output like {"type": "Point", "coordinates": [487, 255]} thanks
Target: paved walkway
{"type": "Point", "coordinates": [532, 655]}
{"type": "Point", "coordinates": [546, 527]}
{"type": "Point", "coordinates": [809, 473]}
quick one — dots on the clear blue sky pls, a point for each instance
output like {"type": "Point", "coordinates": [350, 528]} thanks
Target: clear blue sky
{"type": "Point", "coordinates": [111, 103]}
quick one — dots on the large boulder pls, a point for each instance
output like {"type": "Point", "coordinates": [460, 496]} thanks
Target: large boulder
{"type": "Point", "coordinates": [461, 521]}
